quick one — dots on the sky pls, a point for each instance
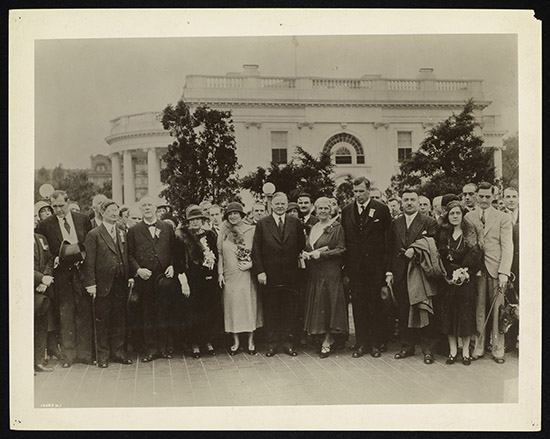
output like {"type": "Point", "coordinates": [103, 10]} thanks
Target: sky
{"type": "Point", "coordinates": [81, 84]}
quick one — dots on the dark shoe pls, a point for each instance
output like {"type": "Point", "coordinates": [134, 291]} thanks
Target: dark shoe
{"type": "Point", "coordinates": [383, 347]}
{"type": "Point", "coordinates": [92, 363]}
{"type": "Point", "coordinates": [147, 359]}
{"type": "Point", "coordinates": [375, 353]}
{"type": "Point", "coordinates": [291, 352]}
{"type": "Point", "coordinates": [451, 360]}
{"type": "Point", "coordinates": [403, 354]}
{"type": "Point", "coordinates": [325, 352]}
{"type": "Point", "coordinates": [42, 368]}
{"type": "Point", "coordinates": [466, 361]}
{"type": "Point", "coordinates": [211, 351]}
{"type": "Point", "coordinates": [167, 355]}
{"type": "Point", "coordinates": [359, 352]}
{"type": "Point", "coordinates": [233, 350]}
{"type": "Point", "coordinates": [66, 364]}
{"type": "Point", "coordinates": [123, 360]}
{"type": "Point", "coordinates": [196, 354]}
{"type": "Point", "coordinates": [428, 359]}
{"type": "Point", "coordinates": [270, 353]}
{"type": "Point", "coordinates": [252, 351]}
{"type": "Point", "coordinates": [499, 360]}
{"type": "Point", "coordinates": [104, 365]}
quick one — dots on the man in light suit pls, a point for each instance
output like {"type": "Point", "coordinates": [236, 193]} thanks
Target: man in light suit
{"type": "Point", "coordinates": [75, 306]}
{"type": "Point", "coordinates": [278, 241]}
{"type": "Point", "coordinates": [366, 222]}
{"type": "Point", "coordinates": [106, 278]}
{"type": "Point", "coordinates": [150, 254]}
{"type": "Point", "coordinates": [404, 231]}
{"type": "Point", "coordinates": [495, 232]}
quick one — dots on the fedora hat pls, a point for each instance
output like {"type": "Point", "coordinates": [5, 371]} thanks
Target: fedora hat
{"type": "Point", "coordinates": [71, 253]}
{"type": "Point", "coordinates": [292, 205]}
{"type": "Point", "coordinates": [234, 207]}
{"type": "Point", "coordinates": [167, 285]}
{"type": "Point", "coordinates": [193, 212]}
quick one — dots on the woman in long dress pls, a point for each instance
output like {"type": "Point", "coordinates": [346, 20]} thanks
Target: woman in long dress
{"type": "Point", "coordinates": [242, 307]}
{"type": "Point", "coordinates": [461, 255]}
{"type": "Point", "coordinates": [326, 310]}
{"type": "Point", "coordinates": [196, 260]}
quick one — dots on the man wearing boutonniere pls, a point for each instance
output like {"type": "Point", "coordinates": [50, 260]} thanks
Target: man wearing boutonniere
{"type": "Point", "coordinates": [403, 232]}
{"type": "Point", "coordinates": [107, 279]}
{"type": "Point", "coordinates": [365, 222]}
{"type": "Point", "coordinates": [150, 254]}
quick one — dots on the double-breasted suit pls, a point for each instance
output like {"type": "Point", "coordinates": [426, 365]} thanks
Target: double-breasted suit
{"type": "Point", "coordinates": [400, 239]}
{"type": "Point", "coordinates": [498, 250]}
{"type": "Point", "coordinates": [154, 252]}
{"type": "Point", "coordinates": [75, 307]}
{"type": "Point", "coordinates": [106, 268]}
{"type": "Point", "coordinates": [365, 265]}
{"type": "Point", "coordinates": [276, 255]}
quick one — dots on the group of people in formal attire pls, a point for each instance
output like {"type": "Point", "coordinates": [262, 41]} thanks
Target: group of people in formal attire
{"type": "Point", "coordinates": [135, 278]}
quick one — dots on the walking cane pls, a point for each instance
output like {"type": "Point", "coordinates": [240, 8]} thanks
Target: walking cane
{"type": "Point", "coordinates": [490, 309]}
{"type": "Point", "coordinates": [95, 331]}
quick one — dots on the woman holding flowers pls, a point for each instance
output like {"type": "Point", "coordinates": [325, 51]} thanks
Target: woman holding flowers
{"type": "Point", "coordinates": [326, 309]}
{"type": "Point", "coordinates": [461, 255]}
{"type": "Point", "coordinates": [242, 308]}
{"type": "Point", "coordinates": [196, 262]}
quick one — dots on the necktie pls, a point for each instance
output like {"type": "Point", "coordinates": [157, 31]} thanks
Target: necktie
{"type": "Point", "coordinates": [483, 218]}
{"type": "Point", "coordinates": [113, 234]}
{"type": "Point", "coordinates": [360, 209]}
{"type": "Point", "coordinates": [281, 226]}
{"type": "Point", "coordinates": [67, 226]}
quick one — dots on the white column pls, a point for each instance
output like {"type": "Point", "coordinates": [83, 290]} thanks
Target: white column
{"type": "Point", "coordinates": [116, 178]}
{"type": "Point", "coordinates": [129, 183]}
{"type": "Point", "coordinates": [153, 172]}
{"type": "Point", "coordinates": [497, 154]}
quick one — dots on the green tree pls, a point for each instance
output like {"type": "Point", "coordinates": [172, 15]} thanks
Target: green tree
{"type": "Point", "coordinates": [79, 189]}
{"type": "Point", "coordinates": [202, 161]}
{"type": "Point", "coordinates": [304, 173]}
{"type": "Point", "coordinates": [510, 161]}
{"type": "Point", "coordinates": [451, 155]}
{"type": "Point", "coordinates": [344, 192]}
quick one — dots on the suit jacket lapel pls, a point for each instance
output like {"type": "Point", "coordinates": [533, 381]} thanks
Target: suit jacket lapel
{"type": "Point", "coordinates": [401, 225]}
{"type": "Point", "coordinates": [107, 237]}
{"type": "Point", "coordinates": [286, 229]}
{"type": "Point", "coordinates": [414, 229]}
{"type": "Point", "coordinates": [489, 219]}
{"type": "Point", "coordinates": [145, 230]}
{"type": "Point", "coordinates": [272, 226]}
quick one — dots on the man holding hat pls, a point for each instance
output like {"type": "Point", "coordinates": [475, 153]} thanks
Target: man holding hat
{"type": "Point", "coordinates": [65, 233]}
{"type": "Point", "coordinates": [150, 254]}
{"type": "Point", "coordinates": [106, 278]}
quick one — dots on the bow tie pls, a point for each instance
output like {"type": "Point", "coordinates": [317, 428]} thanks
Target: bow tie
{"type": "Point", "coordinates": [151, 225]}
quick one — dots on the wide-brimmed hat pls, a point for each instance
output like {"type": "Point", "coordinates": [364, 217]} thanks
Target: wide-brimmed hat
{"type": "Point", "coordinates": [165, 285]}
{"type": "Point", "coordinates": [292, 206]}
{"type": "Point", "coordinates": [234, 207]}
{"type": "Point", "coordinates": [71, 253]}
{"type": "Point", "coordinates": [193, 212]}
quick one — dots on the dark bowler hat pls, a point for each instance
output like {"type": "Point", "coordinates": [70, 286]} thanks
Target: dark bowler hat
{"type": "Point", "coordinates": [234, 207]}
{"type": "Point", "coordinates": [193, 212]}
{"type": "Point", "coordinates": [165, 285]}
{"type": "Point", "coordinates": [71, 253]}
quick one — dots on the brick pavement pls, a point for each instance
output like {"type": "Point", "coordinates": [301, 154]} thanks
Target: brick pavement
{"type": "Point", "coordinates": [244, 380]}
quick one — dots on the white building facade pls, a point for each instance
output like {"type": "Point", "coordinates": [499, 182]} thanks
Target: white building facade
{"type": "Point", "coordinates": [369, 124]}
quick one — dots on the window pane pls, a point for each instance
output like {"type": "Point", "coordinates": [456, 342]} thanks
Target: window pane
{"type": "Point", "coordinates": [403, 154]}
{"type": "Point", "coordinates": [360, 159]}
{"type": "Point", "coordinates": [404, 139]}
{"type": "Point", "coordinates": [279, 156]}
{"type": "Point", "coordinates": [343, 159]}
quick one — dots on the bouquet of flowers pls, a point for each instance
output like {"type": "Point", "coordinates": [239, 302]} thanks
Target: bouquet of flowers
{"type": "Point", "coordinates": [243, 254]}
{"type": "Point", "coordinates": [209, 256]}
{"type": "Point", "coordinates": [460, 276]}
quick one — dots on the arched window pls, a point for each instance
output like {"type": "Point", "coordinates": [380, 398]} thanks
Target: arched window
{"type": "Point", "coordinates": [336, 145]}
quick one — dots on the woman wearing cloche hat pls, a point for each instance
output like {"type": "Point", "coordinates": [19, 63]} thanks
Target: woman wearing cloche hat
{"type": "Point", "coordinates": [242, 307]}
{"type": "Point", "coordinates": [196, 260]}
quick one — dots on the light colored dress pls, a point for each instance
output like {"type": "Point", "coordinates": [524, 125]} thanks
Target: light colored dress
{"type": "Point", "coordinates": [241, 301]}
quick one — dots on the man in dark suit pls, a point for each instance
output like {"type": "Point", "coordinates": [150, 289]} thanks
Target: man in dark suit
{"type": "Point", "coordinates": [75, 306]}
{"type": "Point", "coordinates": [43, 279]}
{"type": "Point", "coordinates": [106, 279]}
{"type": "Point", "coordinates": [150, 254]}
{"type": "Point", "coordinates": [97, 201]}
{"type": "Point", "coordinates": [306, 206]}
{"type": "Point", "coordinates": [365, 223]}
{"type": "Point", "coordinates": [404, 231]}
{"type": "Point", "coordinates": [278, 241]}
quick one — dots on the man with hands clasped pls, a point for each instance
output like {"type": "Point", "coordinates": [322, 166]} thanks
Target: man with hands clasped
{"type": "Point", "coordinates": [106, 279]}
{"type": "Point", "coordinates": [150, 254]}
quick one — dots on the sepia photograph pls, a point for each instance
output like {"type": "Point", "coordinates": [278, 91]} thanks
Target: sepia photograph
{"type": "Point", "coordinates": [303, 220]}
